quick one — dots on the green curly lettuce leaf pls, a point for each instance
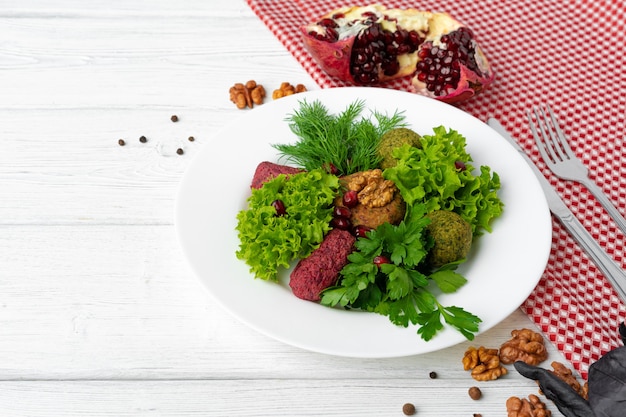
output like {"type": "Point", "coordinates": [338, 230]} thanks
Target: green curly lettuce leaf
{"type": "Point", "coordinates": [431, 175]}
{"type": "Point", "coordinates": [268, 241]}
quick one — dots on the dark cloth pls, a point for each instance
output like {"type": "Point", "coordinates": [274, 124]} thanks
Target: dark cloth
{"type": "Point", "coordinates": [607, 385]}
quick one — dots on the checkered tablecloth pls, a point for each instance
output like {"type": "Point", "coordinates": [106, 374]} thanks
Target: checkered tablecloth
{"type": "Point", "coordinates": [569, 54]}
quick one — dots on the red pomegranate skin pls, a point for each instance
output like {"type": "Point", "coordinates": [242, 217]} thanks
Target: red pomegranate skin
{"type": "Point", "coordinates": [331, 42]}
{"type": "Point", "coordinates": [334, 57]}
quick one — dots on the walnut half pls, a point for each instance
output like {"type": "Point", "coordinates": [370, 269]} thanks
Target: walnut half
{"type": "Point", "coordinates": [373, 189]}
{"type": "Point", "coordinates": [247, 95]}
{"type": "Point", "coordinates": [286, 89]}
{"type": "Point", "coordinates": [524, 345]}
{"type": "Point", "coordinates": [484, 364]}
{"type": "Point", "coordinates": [522, 407]}
{"type": "Point", "coordinates": [567, 375]}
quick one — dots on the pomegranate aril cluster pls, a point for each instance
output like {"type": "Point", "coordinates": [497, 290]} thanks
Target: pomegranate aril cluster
{"type": "Point", "coordinates": [375, 48]}
{"type": "Point", "coordinates": [440, 66]}
{"type": "Point", "coordinates": [342, 214]}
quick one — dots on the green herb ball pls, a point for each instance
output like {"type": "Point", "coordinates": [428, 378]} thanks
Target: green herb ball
{"type": "Point", "coordinates": [452, 237]}
{"type": "Point", "coordinates": [395, 138]}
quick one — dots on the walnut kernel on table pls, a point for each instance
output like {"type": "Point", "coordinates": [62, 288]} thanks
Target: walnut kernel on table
{"type": "Point", "coordinates": [522, 407]}
{"type": "Point", "coordinates": [247, 95]}
{"type": "Point", "coordinates": [524, 345]}
{"type": "Point", "coordinates": [484, 364]}
{"type": "Point", "coordinates": [286, 89]}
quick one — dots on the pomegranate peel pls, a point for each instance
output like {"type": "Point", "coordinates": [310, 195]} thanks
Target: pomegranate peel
{"type": "Point", "coordinates": [372, 44]}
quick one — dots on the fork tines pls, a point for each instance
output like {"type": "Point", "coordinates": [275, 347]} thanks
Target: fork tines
{"type": "Point", "coordinates": [554, 150]}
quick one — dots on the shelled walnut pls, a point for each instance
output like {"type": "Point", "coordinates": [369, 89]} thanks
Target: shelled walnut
{"type": "Point", "coordinates": [373, 190]}
{"type": "Point", "coordinates": [524, 345]}
{"type": "Point", "coordinates": [286, 89]}
{"type": "Point", "coordinates": [567, 375]}
{"type": "Point", "coordinates": [522, 407]}
{"type": "Point", "coordinates": [484, 364]}
{"type": "Point", "coordinates": [247, 95]}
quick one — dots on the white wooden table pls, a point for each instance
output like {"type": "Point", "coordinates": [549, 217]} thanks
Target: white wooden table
{"type": "Point", "coordinates": [99, 313]}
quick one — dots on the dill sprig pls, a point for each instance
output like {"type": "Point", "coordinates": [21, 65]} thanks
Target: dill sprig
{"type": "Point", "coordinates": [343, 141]}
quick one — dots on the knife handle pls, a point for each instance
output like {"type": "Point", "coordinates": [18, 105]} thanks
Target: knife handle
{"type": "Point", "coordinates": [606, 264]}
{"type": "Point", "coordinates": [606, 203]}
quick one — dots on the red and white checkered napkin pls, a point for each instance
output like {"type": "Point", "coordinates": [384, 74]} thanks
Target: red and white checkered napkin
{"type": "Point", "coordinates": [568, 54]}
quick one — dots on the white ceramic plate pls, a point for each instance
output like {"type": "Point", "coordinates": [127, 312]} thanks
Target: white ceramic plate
{"type": "Point", "coordinates": [502, 270]}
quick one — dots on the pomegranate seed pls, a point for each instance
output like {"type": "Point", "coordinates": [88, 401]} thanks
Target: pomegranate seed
{"type": "Point", "coordinates": [332, 34]}
{"type": "Point", "coordinates": [329, 23]}
{"type": "Point", "coordinates": [341, 223]}
{"type": "Point", "coordinates": [400, 36]}
{"type": "Point", "coordinates": [361, 230]}
{"type": "Point", "coordinates": [331, 168]}
{"type": "Point", "coordinates": [360, 59]}
{"type": "Point", "coordinates": [350, 199]}
{"type": "Point", "coordinates": [380, 259]}
{"type": "Point", "coordinates": [404, 49]}
{"type": "Point", "coordinates": [341, 212]}
{"type": "Point", "coordinates": [280, 207]}
{"type": "Point", "coordinates": [460, 165]}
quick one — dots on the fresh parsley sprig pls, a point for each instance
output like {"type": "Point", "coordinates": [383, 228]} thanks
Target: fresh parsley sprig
{"type": "Point", "coordinates": [344, 140]}
{"type": "Point", "coordinates": [398, 286]}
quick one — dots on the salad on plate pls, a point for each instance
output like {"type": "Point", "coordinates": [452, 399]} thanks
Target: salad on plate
{"type": "Point", "coordinates": [371, 215]}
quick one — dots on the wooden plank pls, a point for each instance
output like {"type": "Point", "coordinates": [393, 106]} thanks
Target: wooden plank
{"type": "Point", "coordinates": [273, 397]}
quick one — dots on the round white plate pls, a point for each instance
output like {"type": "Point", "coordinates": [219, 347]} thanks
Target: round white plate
{"type": "Point", "coordinates": [502, 269]}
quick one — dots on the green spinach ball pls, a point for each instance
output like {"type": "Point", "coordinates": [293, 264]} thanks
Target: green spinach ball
{"type": "Point", "coordinates": [393, 139]}
{"type": "Point", "coordinates": [452, 237]}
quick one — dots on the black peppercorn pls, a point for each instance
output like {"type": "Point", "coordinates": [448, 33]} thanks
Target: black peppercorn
{"type": "Point", "coordinates": [143, 139]}
{"type": "Point", "coordinates": [432, 375]}
{"type": "Point", "coordinates": [121, 142]}
{"type": "Point", "coordinates": [191, 138]}
{"type": "Point", "coordinates": [180, 151]}
{"type": "Point", "coordinates": [174, 118]}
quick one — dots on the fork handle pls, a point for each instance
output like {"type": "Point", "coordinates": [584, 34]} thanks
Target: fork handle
{"type": "Point", "coordinates": [606, 264]}
{"type": "Point", "coordinates": [620, 221]}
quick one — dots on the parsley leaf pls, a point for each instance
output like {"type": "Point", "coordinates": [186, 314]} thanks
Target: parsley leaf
{"type": "Point", "coordinates": [447, 280]}
{"type": "Point", "coordinates": [463, 321]}
{"type": "Point", "coordinates": [399, 289]}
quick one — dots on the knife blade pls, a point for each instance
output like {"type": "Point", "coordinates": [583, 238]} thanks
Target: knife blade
{"type": "Point", "coordinates": [611, 270]}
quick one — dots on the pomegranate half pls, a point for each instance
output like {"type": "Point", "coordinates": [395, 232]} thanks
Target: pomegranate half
{"type": "Point", "coordinates": [367, 45]}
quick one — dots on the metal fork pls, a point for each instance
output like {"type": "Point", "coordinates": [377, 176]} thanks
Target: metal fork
{"type": "Point", "coordinates": [560, 158]}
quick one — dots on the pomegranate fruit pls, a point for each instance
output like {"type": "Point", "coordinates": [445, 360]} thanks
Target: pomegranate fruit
{"type": "Point", "coordinates": [372, 44]}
